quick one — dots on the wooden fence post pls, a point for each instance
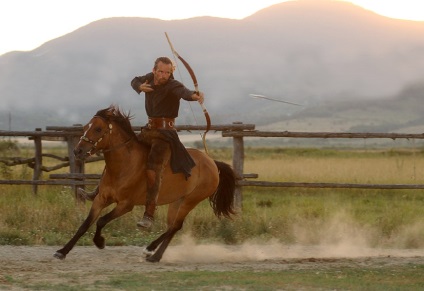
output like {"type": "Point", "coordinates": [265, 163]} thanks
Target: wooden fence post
{"type": "Point", "coordinates": [38, 161]}
{"type": "Point", "coordinates": [75, 166]}
{"type": "Point", "coordinates": [238, 165]}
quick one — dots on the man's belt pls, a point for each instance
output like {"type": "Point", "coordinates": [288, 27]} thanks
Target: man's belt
{"type": "Point", "coordinates": [161, 123]}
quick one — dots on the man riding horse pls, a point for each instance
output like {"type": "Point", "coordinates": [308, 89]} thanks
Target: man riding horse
{"type": "Point", "coordinates": [162, 102]}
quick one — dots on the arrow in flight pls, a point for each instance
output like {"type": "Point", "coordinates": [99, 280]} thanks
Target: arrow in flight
{"type": "Point", "coordinates": [272, 99]}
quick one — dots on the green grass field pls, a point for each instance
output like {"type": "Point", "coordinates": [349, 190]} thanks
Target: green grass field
{"type": "Point", "coordinates": [383, 218]}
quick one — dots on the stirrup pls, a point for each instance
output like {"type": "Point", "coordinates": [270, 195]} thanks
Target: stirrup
{"type": "Point", "coordinates": [146, 222]}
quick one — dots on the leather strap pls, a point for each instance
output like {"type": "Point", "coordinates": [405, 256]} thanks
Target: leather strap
{"type": "Point", "coordinates": [161, 123]}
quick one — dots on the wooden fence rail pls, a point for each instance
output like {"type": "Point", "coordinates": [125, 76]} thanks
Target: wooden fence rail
{"type": "Point", "coordinates": [254, 133]}
{"type": "Point", "coordinates": [64, 182]}
{"type": "Point", "coordinates": [330, 185]}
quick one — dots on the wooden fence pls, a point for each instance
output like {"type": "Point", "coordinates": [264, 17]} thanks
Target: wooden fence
{"type": "Point", "coordinates": [77, 177]}
{"type": "Point", "coordinates": [238, 158]}
{"type": "Point", "coordinates": [71, 135]}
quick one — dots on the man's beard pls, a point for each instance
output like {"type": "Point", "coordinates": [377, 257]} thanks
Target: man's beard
{"type": "Point", "coordinates": [161, 81]}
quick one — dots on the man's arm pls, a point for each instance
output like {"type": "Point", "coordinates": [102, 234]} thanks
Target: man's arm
{"type": "Point", "coordinates": [138, 82]}
{"type": "Point", "coordinates": [186, 94]}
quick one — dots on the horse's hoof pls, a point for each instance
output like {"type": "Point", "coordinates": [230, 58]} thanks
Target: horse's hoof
{"type": "Point", "coordinates": [59, 256]}
{"type": "Point", "coordinates": [147, 253]}
{"type": "Point", "coordinates": [152, 259]}
{"type": "Point", "coordinates": [99, 242]}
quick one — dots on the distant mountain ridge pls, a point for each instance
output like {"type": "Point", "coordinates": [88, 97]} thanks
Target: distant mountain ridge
{"type": "Point", "coordinates": [309, 52]}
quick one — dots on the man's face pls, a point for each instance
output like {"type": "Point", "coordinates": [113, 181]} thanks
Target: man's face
{"type": "Point", "coordinates": [162, 73]}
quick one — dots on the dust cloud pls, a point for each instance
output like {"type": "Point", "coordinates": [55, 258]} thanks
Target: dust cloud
{"type": "Point", "coordinates": [337, 237]}
{"type": "Point", "coordinates": [273, 250]}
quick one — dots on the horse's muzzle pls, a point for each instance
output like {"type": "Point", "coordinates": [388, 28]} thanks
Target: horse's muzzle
{"type": "Point", "coordinates": [80, 154]}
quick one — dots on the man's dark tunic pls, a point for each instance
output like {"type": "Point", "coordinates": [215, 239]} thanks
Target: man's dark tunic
{"type": "Point", "coordinates": [164, 101]}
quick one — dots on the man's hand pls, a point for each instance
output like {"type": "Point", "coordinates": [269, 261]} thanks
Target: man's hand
{"type": "Point", "coordinates": [145, 87]}
{"type": "Point", "coordinates": [200, 98]}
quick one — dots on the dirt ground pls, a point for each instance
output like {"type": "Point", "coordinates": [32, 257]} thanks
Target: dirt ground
{"type": "Point", "coordinates": [36, 264]}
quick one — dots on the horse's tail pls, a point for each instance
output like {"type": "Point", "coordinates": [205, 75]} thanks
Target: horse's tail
{"type": "Point", "coordinates": [222, 200]}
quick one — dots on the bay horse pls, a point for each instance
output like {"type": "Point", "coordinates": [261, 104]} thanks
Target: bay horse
{"type": "Point", "coordinates": [124, 181]}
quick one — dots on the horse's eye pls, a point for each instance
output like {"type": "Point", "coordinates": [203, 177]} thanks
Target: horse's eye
{"type": "Point", "coordinates": [98, 129]}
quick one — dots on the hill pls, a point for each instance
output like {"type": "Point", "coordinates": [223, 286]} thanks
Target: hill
{"type": "Point", "coordinates": [401, 113]}
{"type": "Point", "coordinates": [323, 54]}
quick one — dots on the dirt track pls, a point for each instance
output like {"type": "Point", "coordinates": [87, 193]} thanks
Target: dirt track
{"type": "Point", "coordinates": [88, 264]}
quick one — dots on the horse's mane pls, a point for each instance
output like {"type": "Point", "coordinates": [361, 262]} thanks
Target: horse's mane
{"type": "Point", "coordinates": [113, 113]}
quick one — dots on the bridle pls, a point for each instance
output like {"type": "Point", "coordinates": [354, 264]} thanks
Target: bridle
{"type": "Point", "coordinates": [95, 143]}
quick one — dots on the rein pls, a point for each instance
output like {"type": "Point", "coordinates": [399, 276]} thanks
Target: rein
{"type": "Point", "coordinates": [94, 143]}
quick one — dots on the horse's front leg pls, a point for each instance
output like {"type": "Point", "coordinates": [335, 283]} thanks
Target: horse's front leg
{"type": "Point", "coordinates": [92, 216]}
{"type": "Point", "coordinates": [120, 209]}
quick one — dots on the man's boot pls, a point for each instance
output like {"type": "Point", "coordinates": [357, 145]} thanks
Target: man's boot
{"type": "Point", "coordinates": [148, 217]}
{"type": "Point", "coordinates": [88, 195]}
{"type": "Point", "coordinates": [151, 197]}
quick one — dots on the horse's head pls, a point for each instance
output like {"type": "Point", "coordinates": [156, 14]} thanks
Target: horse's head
{"type": "Point", "coordinates": [98, 131]}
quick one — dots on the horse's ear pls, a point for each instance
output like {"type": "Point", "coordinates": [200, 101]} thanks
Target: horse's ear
{"type": "Point", "coordinates": [111, 111]}
{"type": "Point", "coordinates": [114, 110]}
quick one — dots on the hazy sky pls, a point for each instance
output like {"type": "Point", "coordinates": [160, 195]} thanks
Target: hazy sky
{"type": "Point", "coordinates": [27, 24]}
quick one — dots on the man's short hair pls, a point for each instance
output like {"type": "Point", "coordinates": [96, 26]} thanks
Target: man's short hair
{"type": "Point", "coordinates": [166, 61]}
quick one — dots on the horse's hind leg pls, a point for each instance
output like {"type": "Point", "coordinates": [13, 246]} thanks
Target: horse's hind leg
{"type": "Point", "coordinates": [177, 212]}
{"type": "Point", "coordinates": [172, 210]}
{"type": "Point", "coordinates": [150, 249]}
{"type": "Point", "coordinates": [167, 237]}
{"type": "Point", "coordinates": [120, 209]}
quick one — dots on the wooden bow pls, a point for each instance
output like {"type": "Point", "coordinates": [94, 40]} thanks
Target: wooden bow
{"type": "Point", "coordinates": [196, 88]}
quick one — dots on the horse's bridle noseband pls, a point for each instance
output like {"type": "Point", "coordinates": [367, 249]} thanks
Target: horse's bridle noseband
{"type": "Point", "coordinates": [94, 143]}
